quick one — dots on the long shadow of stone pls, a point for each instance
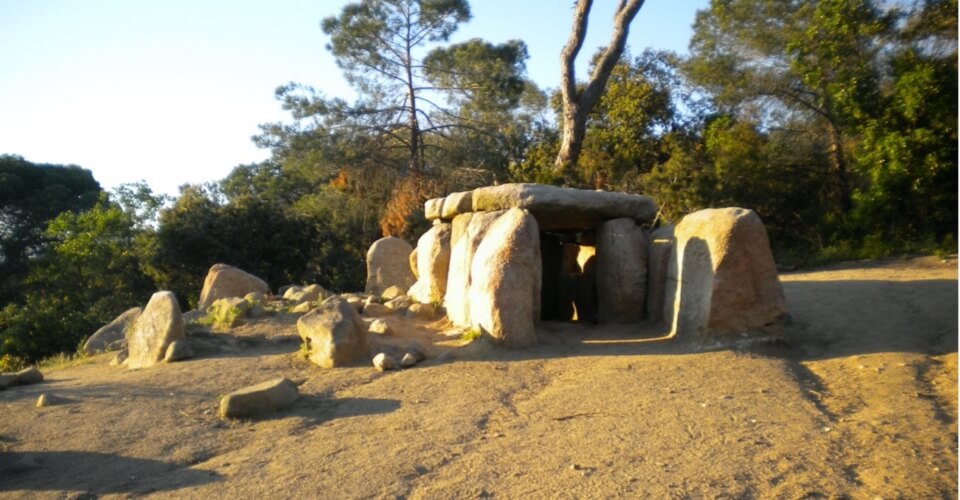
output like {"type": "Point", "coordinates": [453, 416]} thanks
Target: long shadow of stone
{"type": "Point", "coordinates": [84, 471]}
{"type": "Point", "coordinates": [316, 409]}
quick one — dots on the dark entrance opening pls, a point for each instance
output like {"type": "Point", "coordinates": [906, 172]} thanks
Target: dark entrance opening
{"type": "Point", "coordinates": [568, 291]}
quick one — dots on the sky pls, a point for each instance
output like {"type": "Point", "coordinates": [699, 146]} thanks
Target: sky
{"type": "Point", "coordinates": [171, 91]}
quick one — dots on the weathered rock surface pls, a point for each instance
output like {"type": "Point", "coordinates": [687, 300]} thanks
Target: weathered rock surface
{"type": "Point", "coordinates": [553, 207]}
{"type": "Point", "coordinates": [47, 399]}
{"type": "Point", "coordinates": [455, 204]}
{"type": "Point", "coordinates": [383, 362]}
{"type": "Point", "coordinates": [228, 311]}
{"type": "Point", "coordinates": [178, 350]}
{"type": "Point", "coordinates": [302, 308]}
{"type": "Point", "coordinates": [27, 376]}
{"type": "Point", "coordinates": [159, 324]}
{"type": "Point", "coordinates": [334, 333]}
{"type": "Point", "coordinates": [393, 292]}
{"type": "Point", "coordinates": [722, 278]}
{"type": "Point", "coordinates": [259, 399]}
{"type": "Point", "coordinates": [401, 303]}
{"type": "Point", "coordinates": [376, 309]}
{"type": "Point", "coordinates": [467, 232]}
{"type": "Point", "coordinates": [111, 337]}
{"type": "Point", "coordinates": [433, 263]}
{"type": "Point", "coordinates": [227, 281]}
{"type": "Point", "coordinates": [422, 311]}
{"type": "Point", "coordinates": [379, 327]}
{"type": "Point", "coordinates": [505, 280]}
{"type": "Point", "coordinates": [388, 265]}
{"type": "Point", "coordinates": [658, 263]}
{"type": "Point", "coordinates": [621, 271]}
{"type": "Point", "coordinates": [408, 360]}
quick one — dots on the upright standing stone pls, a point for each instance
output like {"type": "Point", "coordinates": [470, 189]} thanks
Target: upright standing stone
{"type": "Point", "coordinates": [387, 265]}
{"type": "Point", "coordinates": [722, 279]}
{"type": "Point", "coordinates": [225, 281]}
{"type": "Point", "coordinates": [159, 324]}
{"type": "Point", "coordinates": [658, 262]}
{"type": "Point", "coordinates": [505, 280]}
{"type": "Point", "coordinates": [433, 264]}
{"type": "Point", "coordinates": [621, 271]}
{"type": "Point", "coordinates": [467, 233]}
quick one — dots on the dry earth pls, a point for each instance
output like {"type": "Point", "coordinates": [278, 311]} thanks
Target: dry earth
{"type": "Point", "coordinates": [860, 400]}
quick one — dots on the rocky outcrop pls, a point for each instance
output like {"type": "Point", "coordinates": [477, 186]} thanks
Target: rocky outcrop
{"type": "Point", "coordinates": [722, 278]}
{"type": "Point", "coordinates": [259, 399]}
{"type": "Point", "coordinates": [334, 334]}
{"type": "Point", "coordinates": [112, 336]}
{"type": "Point", "coordinates": [505, 280]}
{"type": "Point", "coordinates": [159, 324]}
{"type": "Point", "coordinates": [433, 262]}
{"type": "Point", "coordinates": [224, 281]}
{"type": "Point", "coordinates": [387, 265]}
{"type": "Point", "coordinates": [621, 272]}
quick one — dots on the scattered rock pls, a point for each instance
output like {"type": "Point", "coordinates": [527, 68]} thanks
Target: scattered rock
{"type": "Point", "coordinates": [178, 350]}
{"type": "Point", "coordinates": [408, 360]}
{"type": "Point", "coordinates": [228, 312]}
{"type": "Point", "coordinates": [255, 298]}
{"type": "Point", "coordinates": [379, 327]}
{"type": "Point", "coordinates": [401, 303]}
{"type": "Point", "coordinates": [334, 334]}
{"type": "Point", "coordinates": [505, 280]}
{"type": "Point", "coordinates": [45, 400]}
{"type": "Point", "coordinates": [7, 380]}
{"type": "Point", "coordinates": [433, 264]}
{"type": "Point", "coordinates": [262, 398]}
{"type": "Point", "coordinates": [302, 308]}
{"type": "Point", "coordinates": [375, 309]}
{"type": "Point", "coordinates": [382, 362]}
{"type": "Point", "coordinates": [159, 324]}
{"type": "Point", "coordinates": [120, 358]}
{"type": "Point", "coordinates": [227, 281]}
{"type": "Point", "coordinates": [387, 265]}
{"type": "Point", "coordinates": [392, 292]}
{"type": "Point", "coordinates": [291, 291]}
{"type": "Point", "coordinates": [416, 351]}
{"type": "Point", "coordinates": [111, 337]}
{"type": "Point", "coordinates": [355, 302]}
{"type": "Point", "coordinates": [29, 376]}
{"type": "Point", "coordinates": [422, 311]}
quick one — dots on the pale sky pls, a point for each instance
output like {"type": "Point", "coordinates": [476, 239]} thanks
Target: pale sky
{"type": "Point", "coordinates": [170, 91]}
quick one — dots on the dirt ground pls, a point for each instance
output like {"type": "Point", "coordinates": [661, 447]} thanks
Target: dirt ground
{"type": "Point", "coordinates": [860, 400]}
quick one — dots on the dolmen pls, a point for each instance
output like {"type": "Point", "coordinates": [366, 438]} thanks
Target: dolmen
{"type": "Point", "coordinates": [501, 258]}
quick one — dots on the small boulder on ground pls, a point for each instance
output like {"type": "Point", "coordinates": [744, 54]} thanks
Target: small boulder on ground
{"type": "Point", "coordinates": [29, 376]}
{"type": "Point", "coordinates": [408, 360]}
{"type": "Point", "coordinates": [392, 292]}
{"type": "Point", "coordinates": [229, 311]}
{"type": "Point", "coordinates": [259, 399]}
{"type": "Point", "coordinates": [111, 337]}
{"type": "Point", "coordinates": [160, 324]}
{"type": "Point", "coordinates": [379, 327]}
{"type": "Point", "coordinates": [375, 309]}
{"type": "Point", "coordinates": [334, 334]}
{"type": "Point", "coordinates": [46, 399]}
{"type": "Point", "coordinates": [422, 311]}
{"type": "Point", "coordinates": [383, 362]}
{"type": "Point", "coordinates": [401, 303]}
{"type": "Point", "coordinates": [227, 281]}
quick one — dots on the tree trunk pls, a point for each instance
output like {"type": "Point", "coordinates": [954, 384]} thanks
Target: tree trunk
{"type": "Point", "coordinates": [577, 104]}
{"type": "Point", "coordinates": [839, 167]}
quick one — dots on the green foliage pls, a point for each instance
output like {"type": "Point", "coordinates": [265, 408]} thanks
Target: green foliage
{"type": "Point", "coordinates": [90, 275]}
{"type": "Point", "coordinates": [30, 196]}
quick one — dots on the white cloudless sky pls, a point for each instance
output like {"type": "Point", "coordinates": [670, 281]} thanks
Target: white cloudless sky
{"type": "Point", "coordinates": [171, 91]}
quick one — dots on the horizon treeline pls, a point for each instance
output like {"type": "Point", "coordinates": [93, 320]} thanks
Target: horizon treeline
{"type": "Point", "coordinates": [836, 121]}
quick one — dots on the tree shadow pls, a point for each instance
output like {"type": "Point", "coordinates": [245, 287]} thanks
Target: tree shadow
{"type": "Point", "coordinates": [83, 471]}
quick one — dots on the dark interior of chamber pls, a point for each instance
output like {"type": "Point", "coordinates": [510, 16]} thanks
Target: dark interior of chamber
{"type": "Point", "coordinates": [568, 281]}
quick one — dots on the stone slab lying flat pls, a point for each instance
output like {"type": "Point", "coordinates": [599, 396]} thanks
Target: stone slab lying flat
{"type": "Point", "coordinates": [555, 208]}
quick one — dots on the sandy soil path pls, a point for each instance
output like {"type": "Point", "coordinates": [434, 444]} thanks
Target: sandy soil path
{"type": "Point", "coordinates": [860, 401]}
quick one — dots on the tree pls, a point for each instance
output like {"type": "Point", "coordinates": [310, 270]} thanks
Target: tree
{"type": "Point", "coordinates": [30, 196]}
{"type": "Point", "coordinates": [577, 102]}
{"type": "Point", "coordinates": [91, 273]}
{"type": "Point", "coordinates": [777, 60]}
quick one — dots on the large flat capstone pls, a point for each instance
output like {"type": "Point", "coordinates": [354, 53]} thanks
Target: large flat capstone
{"type": "Point", "coordinates": [555, 208]}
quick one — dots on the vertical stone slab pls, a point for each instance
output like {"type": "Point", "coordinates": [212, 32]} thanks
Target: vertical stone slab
{"type": "Point", "coordinates": [467, 232]}
{"type": "Point", "coordinates": [158, 325]}
{"type": "Point", "coordinates": [722, 278]}
{"type": "Point", "coordinates": [433, 264]}
{"type": "Point", "coordinates": [658, 263]}
{"type": "Point", "coordinates": [387, 266]}
{"type": "Point", "coordinates": [621, 271]}
{"type": "Point", "coordinates": [586, 298]}
{"type": "Point", "coordinates": [505, 288]}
